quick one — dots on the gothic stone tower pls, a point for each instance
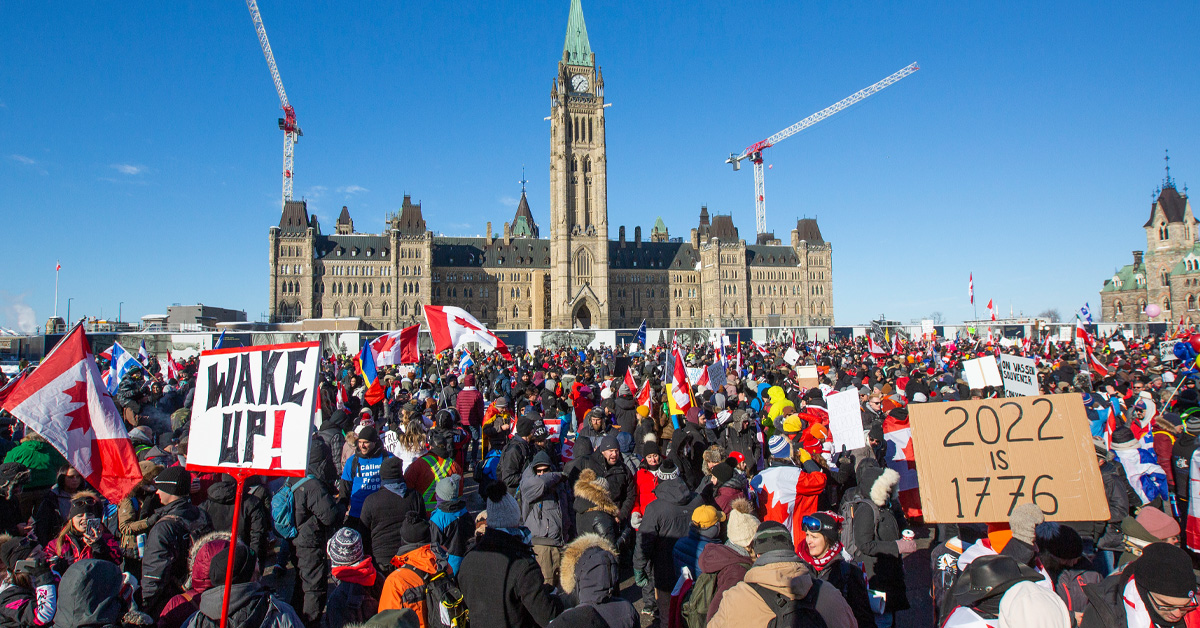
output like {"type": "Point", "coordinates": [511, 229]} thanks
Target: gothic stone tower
{"type": "Point", "coordinates": [578, 186]}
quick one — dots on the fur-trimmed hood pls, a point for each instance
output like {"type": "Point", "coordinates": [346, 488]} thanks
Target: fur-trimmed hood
{"type": "Point", "coordinates": [591, 495]}
{"type": "Point", "coordinates": [200, 558]}
{"type": "Point", "coordinates": [589, 569]}
{"type": "Point", "coordinates": [877, 483]}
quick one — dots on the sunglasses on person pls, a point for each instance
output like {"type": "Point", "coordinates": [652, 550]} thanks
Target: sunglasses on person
{"type": "Point", "coordinates": [1162, 609]}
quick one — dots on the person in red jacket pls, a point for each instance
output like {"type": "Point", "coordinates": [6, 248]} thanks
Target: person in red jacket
{"type": "Point", "coordinates": [469, 405]}
{"type": "Point", "coordinates": [646, 480]}
{"type": "Point", "coordinates": [581, 399]}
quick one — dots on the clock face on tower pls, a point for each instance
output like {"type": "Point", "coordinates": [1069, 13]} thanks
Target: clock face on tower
{"type": "Point", "coordinates": [579, 83]}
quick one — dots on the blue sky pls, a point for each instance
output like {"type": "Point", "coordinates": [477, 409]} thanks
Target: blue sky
{"type": "Point", "coordinates": [138, 142]}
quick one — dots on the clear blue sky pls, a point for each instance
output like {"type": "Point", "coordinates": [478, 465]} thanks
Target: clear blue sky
{"type": "Point", "coordinates": [138, 141]}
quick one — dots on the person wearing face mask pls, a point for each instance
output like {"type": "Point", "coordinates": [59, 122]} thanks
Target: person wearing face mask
{"type": "Point", "coordinates": [1158, 590]}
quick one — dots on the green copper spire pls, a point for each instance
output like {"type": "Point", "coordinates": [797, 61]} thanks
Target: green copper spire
{"type": "Point", "coordinates": [659, 226]}
{"type": "Point", "coordinates": [579, 51]}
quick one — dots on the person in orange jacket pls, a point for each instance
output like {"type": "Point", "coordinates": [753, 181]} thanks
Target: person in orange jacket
{"type": "Point", "coordinates": [413, 561]}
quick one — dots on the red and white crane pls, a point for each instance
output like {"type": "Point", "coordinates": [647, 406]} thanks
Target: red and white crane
{"type": "Point", "coordinates": [287, 124]}
{"type": "Point", "coordinates": [754, 152]}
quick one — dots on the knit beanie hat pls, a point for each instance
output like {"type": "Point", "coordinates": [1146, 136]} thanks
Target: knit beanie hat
{"type": "Point", "coordinates": [1166, 570]}
{"type": "Point", "coordinates": [392, 469]}
{"type": "Point", "coordinates": [175, 481]}
{"type": "Point", "coordinates": [650, 447]}
{"type": "Point", "coordinates": [723, 472]}
{"type": "Point", "coordinates": [667, 471]}
{"type": "Point", "coordinates": [643, 411]}
{"type": "Point", "coordinates": [85, 503]}
{"type": "Point", "coordinates": [446, 489]}
{"type": "Point", "coordinates": [345, 548]}
{"type": "Point", "coordinates": [772, 536]}
{"type": "Point", "coordinates": [742, 524]}
{"type": "Point", "coordinates": [243, 564]}
{"type": "Point", "coordinates": [623, 390]}
{"type": "Point", "coordinates": [608, 442]}
{"type": "Point", "coordinates": [1158, 523]}
{"type": "Point", "coordinates": [706, 517]}
{"type": "Point", "coordinates": [415, 529]}
{"type": "Point", "coordinates": [780, 447]}
{"type": "Point", "coordinates": [502, 509]}
{"type": "Point", "coordinates": [1060, 541]}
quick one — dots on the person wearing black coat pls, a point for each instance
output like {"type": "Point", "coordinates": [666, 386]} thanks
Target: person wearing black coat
{"type": "Point", "coordinates": [687, 448]}
{"type": "Point", "coordinates": [607, 463]}
{"type": "Point", "coordinates": [667, 519]}
{"type": "Point", "coordinates": [588, 439]}
{"type": "Point", "coordinates": [595, 512]}
{"type": "Point", "coordinates": [741, 435]}
{"type": "Point", "coordinates": [164, 563]}
{"type": "Point", "coordinates": [877, 535]}
{"type": "Point", "coordinates": [520, 450]}
{"type": "Point", "coordinates": [625, 410]}
{"type": "Point", "coordinates": [317, 517]}
{"type": "Point", "coordinates": [383, 514]}
{"type": "Point", "coordinates": [333, 433]}
{"type": "Point", "coordinates": [255, 525]}
{"type": "Point", "coordinates": [590, 575]}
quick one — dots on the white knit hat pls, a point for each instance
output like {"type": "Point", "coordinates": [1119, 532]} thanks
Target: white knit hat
{"type": "Point", "coordinates": [741, 527]}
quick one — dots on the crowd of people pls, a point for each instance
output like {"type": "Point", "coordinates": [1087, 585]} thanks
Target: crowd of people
{"type": "Point", "coordinates": [525, 492]}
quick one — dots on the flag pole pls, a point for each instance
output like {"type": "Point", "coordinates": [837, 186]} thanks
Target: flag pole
{"type": "Point", "coordinates": [57, 268]}
{"type": "Point", "coordinates": [240, 476]}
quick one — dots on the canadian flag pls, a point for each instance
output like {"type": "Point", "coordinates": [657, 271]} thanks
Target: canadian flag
{"type": "Point", "coordinates": [172, 369]}
{"type": "Point", "coordinates": [991, 310]}
{"type": "Point", "coordinates": [971, 288]}
{"type": "Point", "coordinates": [900, 458]}
{"type": "Point", "coordinates": [874, 347]}
{"type": "Point", "coordinates": [452, 326]}
{"type": "Point", "coordinates": [759, 348]}
{"type": "Point", "coordinates": [630, 383]}
{"type": "Point", "coordinates": [703, 381]}
{"type": "Point", "coordinates": [896, 349]}
{"type": "Point", "coordinates": [644, 396]}
{"type": "Point", "coordinates": [397, 347]}
{"type": "Point", "coordinates": [65, 401]}
{"type": "Point", "coordinates": [681, 389]}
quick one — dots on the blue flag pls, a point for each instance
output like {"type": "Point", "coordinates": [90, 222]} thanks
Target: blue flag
{"type": "Point", "coordinates": [1085, 313]}
{"type": "Point", "coordinates": [640, 338]}
{"type": "Point", "coordinates": [220, 340]}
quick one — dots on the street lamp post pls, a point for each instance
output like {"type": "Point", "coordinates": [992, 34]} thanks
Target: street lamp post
{"type": "Point", "coordinates": [69, 309]}
{"type": "Point", "coordinates": [119, 311]}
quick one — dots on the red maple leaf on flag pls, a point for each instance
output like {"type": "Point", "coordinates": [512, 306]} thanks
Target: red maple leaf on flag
{"type": "Point", "coordinates": [80, 419]}
{"type": "Point", "coordinates": [462, 322]}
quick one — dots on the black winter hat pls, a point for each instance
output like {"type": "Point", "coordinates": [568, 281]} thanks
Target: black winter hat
{"type": "Point", "coordinates": [525, 426]}
{"type": "Point", "coordinates": [608, 442]}
{"type": "Point", "coordinates": [1165, 569]}
{"type": "Point", "coordinates": [1058, 540]}
{"type": "Point", "coordinates": [650, 447]}
{"type": "Point", "coordinates": [723, 472]}
{"type": "Point", "coordinates": [415, 530]}
{"type": "Point", "coordinates": [392, 469]}
{"type": "Point", "coordinates": [772, 536]}
{"type": "Point", "coordinates": [243, 564]}
{"type": "Point", "coordinates": [17, 549]}
{"type": "Point", "coordinates": [174, 481]}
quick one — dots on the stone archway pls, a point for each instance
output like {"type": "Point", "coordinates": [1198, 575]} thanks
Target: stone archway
{"type": "Point", "coordinates": [582, 318]}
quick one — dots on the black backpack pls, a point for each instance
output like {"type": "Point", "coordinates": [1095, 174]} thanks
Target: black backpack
{"type": "Point", "coordinates": [789, 613]}
{"type": "Point", "coordinates": [444, 604]}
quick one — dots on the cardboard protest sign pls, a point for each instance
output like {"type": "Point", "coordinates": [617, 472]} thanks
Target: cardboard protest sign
{"type": "Point", "coordinates": [693, 373]}
{"type": "Point", "coordinates": [253, 409]}
{"type": "Point", "coordinates": [1019, 375]}
{"type": "Point", "coordinates": [845, 420]}
{"type": "Point", "coordinates": [977, 460]}
{"type": "Point", "coordinates": [716, 375]}
{"type": "Point", "coordinates": [1166, 351]}
{"type": "Point", "coordinates": [927, 328]}
{"type": "Point", "coordinates": [806, 376]}
{"type": "Point", "coordinates": [982, 372]}
{"type": "Point", "coordinates": [1116, 345]}
{"type": "Point", "coordinates": [791, 356]}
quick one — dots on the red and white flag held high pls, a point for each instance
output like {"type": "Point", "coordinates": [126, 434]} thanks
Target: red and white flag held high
{"type": "Point", "coordinates": [681, 388]}
{"type": "Point", "coordinates": [644, 396]}
{"type": "Point", "coordinates": [630, 383]}
{"type": "Point", "coordinates": [171, 368]}
{"type": "Point", "coordinates": [991, 310]}
{"type": "Point", "coordinates": [971, 288]}
{"type": "Point", "coordinates": [65, 401]}
{"type": "Point", "coordinates": [759, 348]}
{"type": "Point", "coordinates": [896, 349]}
{"type": "Point", "coordinates": [452, 326]}
{"type": "Point", "coordinates": [397, 347]}
{"type": "Point", "coordinates": [874, 347]}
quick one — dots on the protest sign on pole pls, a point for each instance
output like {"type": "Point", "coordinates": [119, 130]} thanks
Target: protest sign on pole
{"type": "Point", "coordinates": [977, 460]}
{"type": "Point", "coordinates": [845, 420]}
{"type": "Point", "coordinates": [1019, 375]}
{"type": "Point", "coordinates": [716, 375]}
{"type": "Point", "coordinates": [982, 372]}
{"type": "Point", "coordinates": [1166, 351]}
{"type": "Point", "coordinates": [927, 330]}
{"type": "Point", "coordinates": [791, 356]}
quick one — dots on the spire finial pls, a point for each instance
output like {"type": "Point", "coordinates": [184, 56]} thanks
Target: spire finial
{"type": "Point", "coordinates": [1168, 183]}
{"type": "Point", "coordinates": [523, 180]}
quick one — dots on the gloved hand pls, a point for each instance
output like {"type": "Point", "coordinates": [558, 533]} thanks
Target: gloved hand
{"type": "Point", "coordinates": [635, 520]}
{"type": "Point", "coordinates": [640, 578]}
{"type": "Point", "coordinates": [906, 546]}
{"type": "Point", "coordinates": [1024, 521]}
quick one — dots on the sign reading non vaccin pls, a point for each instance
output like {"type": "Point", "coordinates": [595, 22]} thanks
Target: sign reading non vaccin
{"type": "Point", "coordinates": [977, 460]}
{"type": "Point", "coordinates": [1019, 375]}
{"type": "Point", "coordinates": [253, 408]}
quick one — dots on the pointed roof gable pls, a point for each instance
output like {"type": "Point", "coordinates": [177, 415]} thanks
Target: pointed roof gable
{"type": "Point", "coordinates": [523, 225]}
{"type": "Point", "coordinates": [1172, 202]}
{"type": "Point", "coordinates": [344, 217]}
{"type": "Point", "coordinates": [576, 46]}
{"type": "Point", "coordinates": [659, 226]}
{"type": "Point", "coordinates": [295, 217]}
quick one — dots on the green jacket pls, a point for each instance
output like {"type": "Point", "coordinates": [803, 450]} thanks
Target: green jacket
{"type": "Point", "coordinates": [41, 458]}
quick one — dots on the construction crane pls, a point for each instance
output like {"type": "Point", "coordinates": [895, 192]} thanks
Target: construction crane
{"type": "Point", "coordinates": [754, 152]}
{"type": "Point", "coordinates": [287, 124]}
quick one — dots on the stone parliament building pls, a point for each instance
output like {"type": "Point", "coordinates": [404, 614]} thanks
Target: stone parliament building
{"type": "Point", "coordinates": [578, 277]}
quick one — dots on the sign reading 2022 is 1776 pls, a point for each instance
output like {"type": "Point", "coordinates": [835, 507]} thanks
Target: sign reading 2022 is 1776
{"type": "Point", "coordinates": [253, 409]}
{"type": "Point", "coordinates": [977, 460]}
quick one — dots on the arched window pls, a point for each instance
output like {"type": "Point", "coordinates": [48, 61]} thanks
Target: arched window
{"type": "Point", "coordinates": [692, 311]}
{"type": "Point", "coordinates": [483, 312]}
{"type": "Point", "coordinates": [1119, 308]}
{"type": "Point", "coordinates": [352, 309]}
{"type": "Point", "coordinates": [583, 264]}
{"type": "Point", "coordinates": [384, 309]}
{"type": "Point", "coordinates": [514, 314]}
{"type": "Point", "coordinates": [622, 311]}
{"type": "Point", "coordinates": [403, 309]}
{"type": "Point", "coordinates": [366, 309]}
{"type": "Point", "coordinates": [337, 310]}
{"type": "Point", "coordinates": [678, 311]}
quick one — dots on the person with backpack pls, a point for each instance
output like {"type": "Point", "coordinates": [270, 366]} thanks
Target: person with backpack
{"type": "Point", "coordinates": [250, 603]}
{"type": "Point", "coordinates": [164, 563]}
{"type": "Point", "coordinates": [590, 575]}
{"type": "Point", "coordinates": [500, 579]}
{"type": "Point", "coordinates": [981, 592]}
{"type": "Point", "coordinates": [721, 565]}
{"type": "Point", "coordinates": [531, 433]}
{"type": "Point", "coordinates": [135, 515]}
{"type": "Point", "coordinates": [413, 566]}
{"type": "Point", "coordinates": [355, 575]}
{"type": "Point", "coordinates": [827, 558]}
{"type": "Point", "coordinates": [704, 529]}
{"type": "Point", "coordinates": [423, 474]}
{"type": "Point", "coordinates": [255, 523]}
{"type": "Point", "coordinates": [873, 537]}
{"type": "Point", "coordinates": [666, 521]}
{"type": "Point", "coordinates": [779, 590]}
{"type": "Point", "coordinates": [384, 511]}
{"type": "Point", "coordinates": [451, 525]}
{"type": "Point", "coordinates": [1060, 552]}
{"type": "Point", "coordinates": [360, 474]}
{"type": "Point", "coordinates": [543, 499]}
{"type": "Point", "coordinates": [305, 513]}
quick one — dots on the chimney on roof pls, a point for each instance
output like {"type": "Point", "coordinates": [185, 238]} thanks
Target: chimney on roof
{"type": "Point", "coordinates": [637, 237]}
{"type": "Point", "coordinates": [489, 233]}
{"type": "Point", "coordinates": [621, 235]}
{"type": "Point", "coordinates": [1137, 259]}
{"type": "Point", "coordinates": [704, 215]}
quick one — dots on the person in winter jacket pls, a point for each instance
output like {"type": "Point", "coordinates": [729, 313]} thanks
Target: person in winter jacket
{"type": "Point", "coordinates": [333, 433]}
{"type": "Point", "coordinates": [531, 434]}
{"type": "Point", "coordinates": [497, 422]}
{"type": "Point", "coordinates": [469, 405]}
{"type": "Point", "coordinates": [595, 512]}
{"type": "Point", "coordinates": [43, 462]}
{"type": "Point", "coordinates": [777, 401]}
{"type": "Point", "coordinates": [543, 510]}
{"type": "Point", "coordinates": [423, 474]}
{"type": "Point", "coordinates": [606, 463]}
{"type": "Point", "coordinates": [180, 607]}
{"type": "Point", "coordinates": [645, 481]}
{"type": "Point", "coordinates": [414, 561]}
{"type": "Point", "coordinates": [51, 513]}
{"type": "Point", "coordinates": [687, 448]}
{"type": "Point", "coordinates": [1150, 526]}
{"type": "Point", "coordinates": [12, 522]}
{"type": "Point", "coordinates": [164, 564]}
{"type": "Point", "coordinates": [384, 511]}
{"type": "Point", "coordinates": [92, 593]}
{"type": "Point", "coordinates": [741, 435]}
{"type": "Point", "coordinates": [31, 596]}
{"type": "Point", "coordinates": [250, 603]}
{"type": "Point", "coordinates": [730, 560]}
{"type": "Point", "coordinates": [593, 431]}
{"type": "Point", "coordinates": [982, 588]}
{"type": "Point", "coordinates": [83, 535]}
{"type": "Point", "coordinates": [451, 525]}
{"type": "Point", "coordinates": [500, 580]}
{"type": "Point", "coordinates": [351, 599]}
{"type": "Point", "coordinates": [727, 484]}
{"type": "Point", "coordinates": [317, 516]}
{"type": "Point", "coordinates": [704, 529]}
{"type": "Point", "coordinates": [135, 515]}
{"type": "Point", "coordinates": [779, 573]}
{"type": "Point", "coordinates": [827, 558]}
{"type": "Point", "coordinates": [360, 474]}
{"type": "Point", "coordinates": [255, 525]}
{"type": "Point", "coordinates": [878, 545]}
{"type": "Point", "coordinates": [590, 575]}
{"type": "Point", "coordinates": [625, 410]}
{"type": "Point", "coordinates": [1157, 589]}
{"type": "Point", "coordinates": [667, 520]}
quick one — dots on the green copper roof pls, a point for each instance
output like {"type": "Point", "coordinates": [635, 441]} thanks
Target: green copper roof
{"type": "Point", "coordinates": [659, 226]}
{"type": "Point", "coordinates": [579, 51]}
{"type": "Point", "coordinates": [1182, 268]}
{"type": "Point", "coordinates": [1126, 279]}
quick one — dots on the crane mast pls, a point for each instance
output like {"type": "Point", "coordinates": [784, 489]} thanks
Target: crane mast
{"type": "Point", "coordinates": [287, 124]}
{"type": "Point", "coordinates": [754, 152]}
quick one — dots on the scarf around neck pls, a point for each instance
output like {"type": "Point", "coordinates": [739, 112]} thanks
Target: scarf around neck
{"type": "Point", "coordinates": [822, 561]}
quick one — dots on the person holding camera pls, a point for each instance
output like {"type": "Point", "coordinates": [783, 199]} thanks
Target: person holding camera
{"type": "Point", "coordinates": [83, 536]}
